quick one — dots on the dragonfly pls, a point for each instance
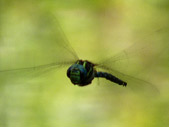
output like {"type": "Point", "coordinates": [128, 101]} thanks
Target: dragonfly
{"type": "Point", "coordinates": [49, 39]}
{"type": "Point", "coordinates": [83, 72]}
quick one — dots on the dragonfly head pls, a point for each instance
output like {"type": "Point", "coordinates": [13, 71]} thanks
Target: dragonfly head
{"type": "Point", "coordinates": [76, 73]}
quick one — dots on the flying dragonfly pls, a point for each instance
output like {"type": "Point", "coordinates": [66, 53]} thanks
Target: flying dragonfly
{"type": "Point", "coordinates": [58, 52]}
{"type": "Point", "coordinates": [82, 72]}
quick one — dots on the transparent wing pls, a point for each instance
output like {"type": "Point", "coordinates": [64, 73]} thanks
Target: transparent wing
{"type": "Point", "coordinates": [141, 54]}
{"type": "Point", "coordinates": [33, 42]}
{"type": "Point", "coordinates": [133, 61]}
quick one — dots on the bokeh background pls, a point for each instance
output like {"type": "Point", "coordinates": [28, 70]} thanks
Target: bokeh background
{"type": "Point", "coordinates": [34, 33]}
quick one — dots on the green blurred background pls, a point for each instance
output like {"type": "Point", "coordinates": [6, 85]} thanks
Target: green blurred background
{"type": "Point", "coordinates": [96, 29]}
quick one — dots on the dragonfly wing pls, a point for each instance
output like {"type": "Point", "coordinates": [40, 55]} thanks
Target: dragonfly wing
{"type": "Point", "coordinates": [136, 59]}
{"type": "Point", "coordinates": [38, 43]}
{"type": "Point", "coordinates": [141, 55]}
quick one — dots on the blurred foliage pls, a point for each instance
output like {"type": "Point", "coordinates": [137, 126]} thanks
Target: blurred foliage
{"type": "Point", "coordinates": [96, 29]}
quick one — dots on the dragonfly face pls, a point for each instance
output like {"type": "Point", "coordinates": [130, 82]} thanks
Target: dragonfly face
{"type": "Point", "coordinates": [76, 73]}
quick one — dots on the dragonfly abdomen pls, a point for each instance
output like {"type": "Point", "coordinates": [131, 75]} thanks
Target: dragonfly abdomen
{"type": "Point", "coordinates": [110, 77]}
